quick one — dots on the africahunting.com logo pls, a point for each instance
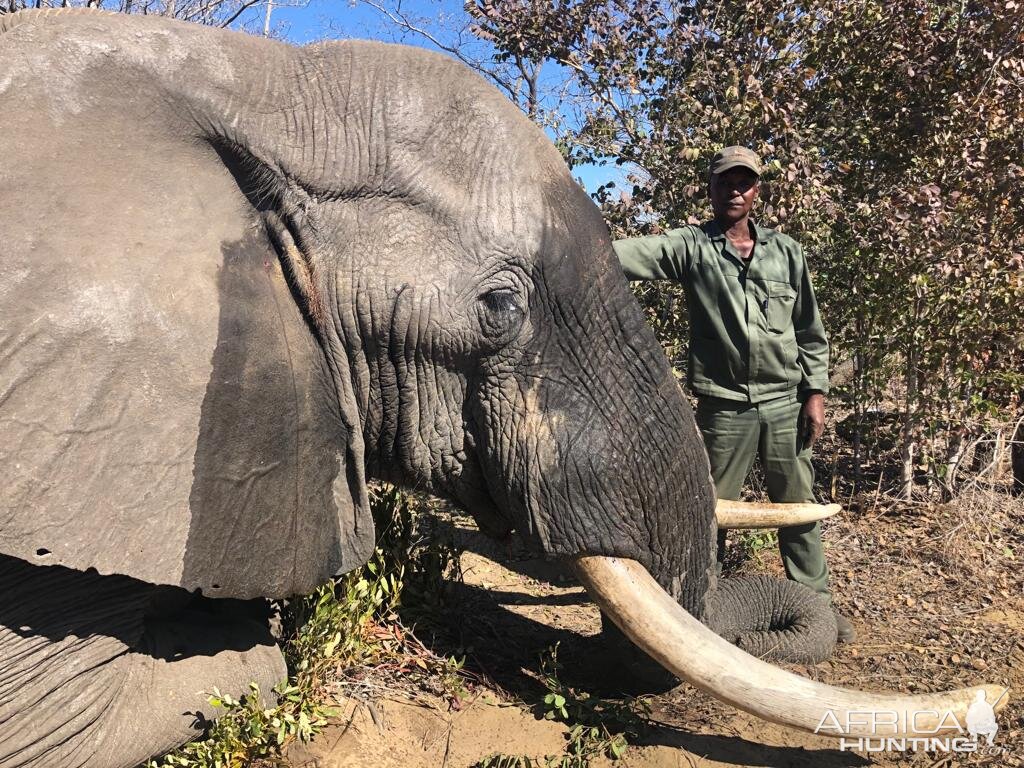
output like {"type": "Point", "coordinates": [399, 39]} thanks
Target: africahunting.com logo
{"type": "Point", "coordinates": [936, 731]}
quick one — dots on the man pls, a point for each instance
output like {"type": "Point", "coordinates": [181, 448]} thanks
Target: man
{"type": "Point", "coordinates": [758, 352]}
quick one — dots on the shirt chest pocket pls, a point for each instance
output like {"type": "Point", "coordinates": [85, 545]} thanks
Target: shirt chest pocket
{"type": "Point", "coordinates": [779, 310]}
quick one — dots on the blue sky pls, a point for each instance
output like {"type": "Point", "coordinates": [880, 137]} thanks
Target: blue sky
{"type": "Point", "coordinates": [337, 19]}
{"type": "Point", "coordinates": [315, 21]}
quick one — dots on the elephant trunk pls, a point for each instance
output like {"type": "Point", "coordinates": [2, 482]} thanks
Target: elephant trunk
{"type": "Point", "coordinates": [654, 621]}
{"type": "Point", "coordinates": [605, 457]}
{"type": "Point", "coordinates": [774, 619]}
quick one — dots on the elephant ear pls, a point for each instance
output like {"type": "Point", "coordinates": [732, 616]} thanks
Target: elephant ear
{"type": "Point", "coordinates": [278, 502]}
{"type": "Point", "coordinates": [167, 410]}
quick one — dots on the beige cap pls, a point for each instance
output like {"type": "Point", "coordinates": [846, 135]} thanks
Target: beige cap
{"type": "Point", "coordinates": [735, 157]}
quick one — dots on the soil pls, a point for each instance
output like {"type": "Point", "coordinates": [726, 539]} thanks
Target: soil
{"type": "Point", "coordinates": [935, 592]}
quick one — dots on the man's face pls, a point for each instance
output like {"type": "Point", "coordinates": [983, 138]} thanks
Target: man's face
{"type": "Point", "coordinates": [733, 193]}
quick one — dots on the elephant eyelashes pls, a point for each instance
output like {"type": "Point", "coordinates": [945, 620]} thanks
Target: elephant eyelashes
{"type": "Point", "coordinates": [502, 314]}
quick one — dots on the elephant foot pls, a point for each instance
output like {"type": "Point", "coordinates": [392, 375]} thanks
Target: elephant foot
{"type": "Point", "coordinates": [107, 671]}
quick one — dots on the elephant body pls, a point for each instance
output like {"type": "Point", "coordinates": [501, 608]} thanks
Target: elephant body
{"type": "Point", "coordinates": [109, 670]}
{"type": "Point", "coordinates": [240, 279]}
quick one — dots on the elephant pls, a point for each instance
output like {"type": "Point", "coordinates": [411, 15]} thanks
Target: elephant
{"type": "Point", "coordinates": [244, 278]}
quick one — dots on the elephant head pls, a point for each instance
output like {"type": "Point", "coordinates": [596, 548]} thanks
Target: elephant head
{"type": "Point", "coordinates": [252, 276]}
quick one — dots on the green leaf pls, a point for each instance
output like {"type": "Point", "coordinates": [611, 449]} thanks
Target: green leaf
{"type": "Point", "coordinates": [331, 644]}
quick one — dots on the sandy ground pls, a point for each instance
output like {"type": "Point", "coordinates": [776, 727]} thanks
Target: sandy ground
{"type": "Point", "coordinates": [936, 594]}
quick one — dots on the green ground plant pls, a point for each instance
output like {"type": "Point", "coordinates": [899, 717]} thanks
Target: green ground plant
{"type": "Point", "coordinates": [750, 546]}
{"type": "Point", "coordinates": [597, 727]}
{"type": "Point", "coordinates": [410, 533]}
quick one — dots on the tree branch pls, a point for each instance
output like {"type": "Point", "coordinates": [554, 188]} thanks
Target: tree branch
{"type": "Point", "coordinates": [242, 9]}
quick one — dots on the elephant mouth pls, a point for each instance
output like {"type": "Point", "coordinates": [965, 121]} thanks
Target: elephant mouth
{"type": "Point", "coordinates": [659, 626]}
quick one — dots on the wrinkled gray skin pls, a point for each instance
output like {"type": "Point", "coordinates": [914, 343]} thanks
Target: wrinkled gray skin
{"type": "Point", "coordinates": [237, 279]}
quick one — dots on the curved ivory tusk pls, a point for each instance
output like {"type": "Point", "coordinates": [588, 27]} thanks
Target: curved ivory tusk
{"type": "Point", "coordinates": [691, 651]}
{"type": "Point", "coordinates": [744, 514]}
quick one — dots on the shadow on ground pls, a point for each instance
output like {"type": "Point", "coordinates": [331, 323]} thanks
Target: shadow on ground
{"type": "Point", "coordinates": [736, 750]}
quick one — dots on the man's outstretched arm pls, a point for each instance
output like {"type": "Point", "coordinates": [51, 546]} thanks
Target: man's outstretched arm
{"type": "Point", "coordinates": [657, 257]}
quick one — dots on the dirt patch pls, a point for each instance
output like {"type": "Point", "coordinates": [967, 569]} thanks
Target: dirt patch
{"type": "Point", "coordinates": [936, 594]}
{"type": "Point", "coordinates": [1011, 619]}
{"type": "Point", "coordinates": [402, 734]}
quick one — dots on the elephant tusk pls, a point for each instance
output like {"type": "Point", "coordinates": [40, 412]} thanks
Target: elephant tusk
{"type": "Point", "coordinates": [742, 514]}
{"type": "Point", "coordinates": [669, 634]}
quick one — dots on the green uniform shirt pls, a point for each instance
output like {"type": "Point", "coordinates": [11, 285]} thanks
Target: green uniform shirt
{"type": "Point", "coordinates": [755, 331]}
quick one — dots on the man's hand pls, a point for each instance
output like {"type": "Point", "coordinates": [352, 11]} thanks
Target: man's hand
{"type": "Point", "coordinates": [812, 418]}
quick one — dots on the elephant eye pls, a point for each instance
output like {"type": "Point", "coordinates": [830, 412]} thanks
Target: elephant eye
{"type": "Point", "coordinates": [502, 314]}
{"type": "Point", "coordinates": [502, 300]}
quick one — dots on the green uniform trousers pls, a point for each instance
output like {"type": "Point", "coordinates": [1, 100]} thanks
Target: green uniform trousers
{"type": "Point", "coordinates": [734, 434]}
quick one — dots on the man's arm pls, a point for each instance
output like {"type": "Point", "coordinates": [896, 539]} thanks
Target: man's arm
{"type": "Point", "coordinates": [812, 346]}
{"type": "Point", "coordinates": [657, 257]}
{"type": "Point", "coordinates": [812, 357]}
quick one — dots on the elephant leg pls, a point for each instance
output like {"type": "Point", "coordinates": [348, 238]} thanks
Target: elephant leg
{"type": "Point", "coordinates": [107, 671]}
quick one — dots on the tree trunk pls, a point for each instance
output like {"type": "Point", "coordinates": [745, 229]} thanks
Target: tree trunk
{"type": "Point", "coordinates": [1017, 458]}
{"type": "Point", "coordinates": [908, 447]}
{"type": "Point", "coordinates": [954, 455]}
{"type": "Point", "coordinates": [859, 398]}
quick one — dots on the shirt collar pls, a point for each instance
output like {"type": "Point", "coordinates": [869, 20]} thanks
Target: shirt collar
{"type": "Point", "coordinates": [761, 234]}
{"type": "Point", "coordinates": [715, 232]}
